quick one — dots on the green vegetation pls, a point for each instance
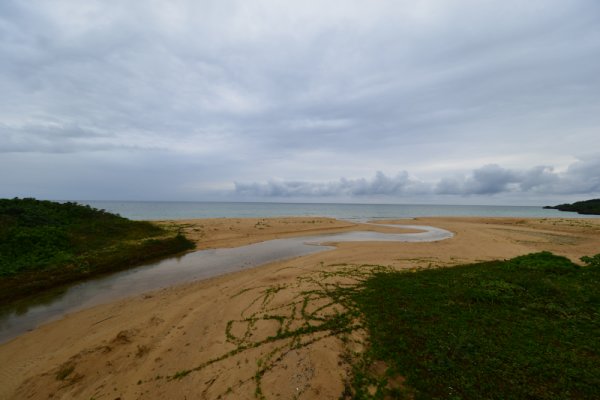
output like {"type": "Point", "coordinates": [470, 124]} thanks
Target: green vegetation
{"type": "Point", "coordinates": [525, 328]}
{"type": "Point", "coordinates": [44, 244]}
{"type": "Point", "coordinates": [592, 261]}
{"type": "Point", "coordinates": [590, 207]}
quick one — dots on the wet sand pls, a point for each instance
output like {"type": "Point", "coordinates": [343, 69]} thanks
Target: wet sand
{"type": "Point", "coordinates": [212, 338]}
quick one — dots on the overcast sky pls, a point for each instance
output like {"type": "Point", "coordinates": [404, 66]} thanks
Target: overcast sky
{"type": "Point", "coordinates": [468, 102]}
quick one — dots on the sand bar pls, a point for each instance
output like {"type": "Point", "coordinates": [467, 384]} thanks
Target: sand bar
{"type": "Point", "coordinates": [218, 328]}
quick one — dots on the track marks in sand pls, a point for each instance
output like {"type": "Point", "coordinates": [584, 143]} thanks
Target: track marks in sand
{"type": "Point", "coordinates": [286, 337]}
{"type": "Point", "coordinates": [295, 337]}
{"type": "Point", "coordinates": [11, 375]}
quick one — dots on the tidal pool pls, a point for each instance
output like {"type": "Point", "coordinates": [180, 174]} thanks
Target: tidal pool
{"type": "Point", "coordinates": [31, 312]}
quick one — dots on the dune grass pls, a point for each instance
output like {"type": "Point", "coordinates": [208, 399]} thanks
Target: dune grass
{"type": "Point", "coordinates": [44, 244]}
{"type": "Point", "coordinates": [526, 328]}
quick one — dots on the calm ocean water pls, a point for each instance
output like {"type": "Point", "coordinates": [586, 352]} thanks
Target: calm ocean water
{"type": "Point", "coordinates": [150, 210]}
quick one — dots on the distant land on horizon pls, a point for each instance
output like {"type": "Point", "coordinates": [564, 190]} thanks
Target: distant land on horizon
{"type": "Point", "coordinates": [339, 202]}
{"type": "Point", "coordinates": [588, 207]}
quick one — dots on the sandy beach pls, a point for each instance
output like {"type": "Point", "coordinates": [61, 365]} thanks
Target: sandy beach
{"type": "Point", "coordinates": [218, 338]}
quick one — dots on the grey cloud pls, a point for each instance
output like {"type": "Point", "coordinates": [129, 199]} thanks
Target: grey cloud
{"type": "Point", "coordinates": [154, 74]}
{"type": "Point", "coordinates": [538, 178]}
{"type": "Point", "coordinates": [489, 179]}
{"type": "Point", "coordinates": [378, 86]}
{"type": "Point", "coordinates": [379, 185]}
{"type": "Point", "coordinates": [58, 138]}
{"type": "Point", "coordinates": [582, 177]}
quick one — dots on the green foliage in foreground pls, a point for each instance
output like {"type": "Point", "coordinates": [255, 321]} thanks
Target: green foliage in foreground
{"type": "Point", "coordinates": [592, 261]}
{"type": "Point", "coordinates": [590, 207]}
{"type": "Point", "coordinates": [525, 328]}
{"type": "Point", "coordinates": [44, 243]}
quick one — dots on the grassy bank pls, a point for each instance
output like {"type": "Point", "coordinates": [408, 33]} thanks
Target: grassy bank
{"type": "Point", "coordinates": [525, 328]}
{"type": "Point", "coordinates": [44, 244]}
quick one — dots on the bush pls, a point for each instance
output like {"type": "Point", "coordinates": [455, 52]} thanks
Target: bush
{"type": "Point", "coordinates": [593, 261]}
{"type": "Point", "coordinates": [44, 243]}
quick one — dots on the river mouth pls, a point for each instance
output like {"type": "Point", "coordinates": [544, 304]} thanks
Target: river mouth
{"type": "Point", "coordinates": [29, 313]}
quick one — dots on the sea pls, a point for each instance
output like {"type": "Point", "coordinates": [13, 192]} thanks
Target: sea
{"type": "Point", "coordinates": [161, 210]}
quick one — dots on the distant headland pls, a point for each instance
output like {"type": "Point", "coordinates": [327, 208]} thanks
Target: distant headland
{"type": "Point", "coordinates": [590, 207]}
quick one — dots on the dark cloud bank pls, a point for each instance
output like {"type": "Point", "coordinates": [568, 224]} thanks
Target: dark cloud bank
{"type": "Point", "coordinates": [581, 178]}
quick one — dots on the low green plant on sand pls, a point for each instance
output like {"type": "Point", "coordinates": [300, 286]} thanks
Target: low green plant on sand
{"type": "Point", "coordinates": [525, 328]}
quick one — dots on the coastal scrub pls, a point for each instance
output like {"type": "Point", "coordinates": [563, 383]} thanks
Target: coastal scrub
{"type": "Point", "coordinates": [44, 244]}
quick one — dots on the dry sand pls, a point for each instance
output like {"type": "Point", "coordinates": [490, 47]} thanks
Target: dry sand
{"type": "Point", "coordinates": [219, 328]}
